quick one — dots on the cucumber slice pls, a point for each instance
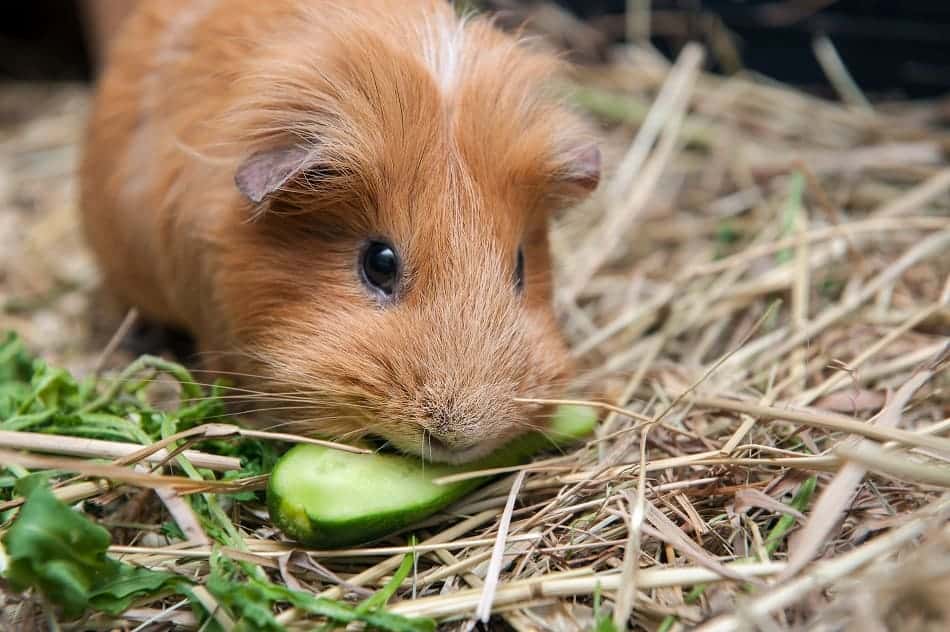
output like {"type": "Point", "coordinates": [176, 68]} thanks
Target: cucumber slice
{"type": "Point", "coordinates": [327, 498]}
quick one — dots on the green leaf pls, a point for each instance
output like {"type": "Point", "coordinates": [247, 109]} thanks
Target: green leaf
{"type": "Point", "coordinates": [251, 601]}
{"type": "Point", "coordinates": [603, 622]}
{"type": "Point", "coordinates": [36, 397]}
{"type": "Point", "coordinates": [791, 212]}
{"type": "Point", "coordinates": [60, 553]}
{"type": "Point", "coordinates": [131, 582]}
{"type": "Point", "coordinates": [382, 596]}
{"type": "Point", "coordinates": [800, 503]}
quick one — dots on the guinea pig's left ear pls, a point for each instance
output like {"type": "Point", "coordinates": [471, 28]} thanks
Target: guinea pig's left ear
{"type": "Point", "coordinates": [265, 172]}
{"type": "Point", "coordinates": [581, 173]}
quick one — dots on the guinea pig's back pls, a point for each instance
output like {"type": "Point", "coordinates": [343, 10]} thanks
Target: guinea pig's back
{"type": "Point", "coordinates": [151, 182]}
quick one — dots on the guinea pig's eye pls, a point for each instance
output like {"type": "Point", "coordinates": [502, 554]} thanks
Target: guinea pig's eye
{"type": "Point", "coordinates": [519, 270]}
{"type": "Point", "coordinates": [380, 267]}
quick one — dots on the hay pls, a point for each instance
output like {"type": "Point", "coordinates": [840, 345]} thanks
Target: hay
{"type": "Point", "coordinates": [759, 295]}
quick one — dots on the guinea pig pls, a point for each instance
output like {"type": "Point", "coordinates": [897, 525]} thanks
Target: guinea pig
{"type": "Point", "coordinates": [346, 204]}
{"type": "Point", "coordinates": [100, 20]}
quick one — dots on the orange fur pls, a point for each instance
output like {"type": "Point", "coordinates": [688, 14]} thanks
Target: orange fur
{"type": "Point", "coordinates": [432, 132]}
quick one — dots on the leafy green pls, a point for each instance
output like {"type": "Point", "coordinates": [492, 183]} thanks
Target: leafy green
{"type": "Point", "coordinates": [727, 236]}
{"type": "Point", "coordinates": [62, 554]}
{"type": "Point", "coordinates": [603, 622]}
{"type": "Point", "coordinates": [379, 599]}
{"type": "Point", "coordinates": [16, 370]}
{"type": "Point", "coordinates": [251, 600]}
{"type": "Point", "coordinates": [800, 502]}
{"type": "Point", "coordinates": [791, 212]}
{"type": "Point", "coordinates": [35, 397]}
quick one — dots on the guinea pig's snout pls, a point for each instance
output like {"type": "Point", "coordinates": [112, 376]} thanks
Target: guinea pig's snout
{"type": "Point", "coordinates": [447, 437]}
{"type": "Point", "coordinates": [449, 443]}
{"type": "Point", "coordinates": [454, 447]}
{"type": "Point", "coordinates": [457, 431]}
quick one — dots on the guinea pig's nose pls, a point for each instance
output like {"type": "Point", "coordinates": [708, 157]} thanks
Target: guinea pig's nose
{"type": "Point", "coordinates": [454, 442]}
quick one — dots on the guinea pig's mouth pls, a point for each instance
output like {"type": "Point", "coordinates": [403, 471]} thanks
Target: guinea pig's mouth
{"type": "Point", "coordinates": [435, 450]}
{"type": "Point", "coordinates": [432, 449]}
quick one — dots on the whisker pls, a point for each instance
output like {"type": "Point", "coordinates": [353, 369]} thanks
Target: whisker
{"type": "Point", "coordinates": [153, 380]}
{"type": "Point", "coordinates": [313, 397]}
{"type": "Point", "coordinates": [255, 411]}
{"type": "Point", "coordinates": [251, 398]}
{"type": "Point", "coordinates": [243, 392]}
{"type": "Point", "coordinates": [311, 421]}
{"type": "Point", "coordinates": [276, 426]}
{"type": "Point", "coordinates": [317, 418]}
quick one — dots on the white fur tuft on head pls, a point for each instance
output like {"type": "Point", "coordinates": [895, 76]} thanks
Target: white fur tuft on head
{"type": "Point", "coordinates": [443, 43]}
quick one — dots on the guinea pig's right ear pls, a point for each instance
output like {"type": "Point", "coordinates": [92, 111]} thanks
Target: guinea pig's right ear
{"type": "Point", "coordinates": [579, 172]}
{"type": "Point", "coordinates": [585, 169]}
{"type": "Point", "coordinates": [265, 172]}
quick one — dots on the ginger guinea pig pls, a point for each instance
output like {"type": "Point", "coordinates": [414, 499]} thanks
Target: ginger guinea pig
{"type": "Point", "coordinates": [346, 204]}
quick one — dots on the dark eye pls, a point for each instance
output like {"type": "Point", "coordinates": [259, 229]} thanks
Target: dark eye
{"type": "Point", "coordinates": [380, 267]}
{"type": "Point", "coordinates": [519, 270]}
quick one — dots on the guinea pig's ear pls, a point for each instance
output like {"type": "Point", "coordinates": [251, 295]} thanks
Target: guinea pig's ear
{"type": "Point", "coordinates": [265, 172]}
{"type": "Point", "coordinates": [581, 171]}
{"type": "Point", "coordinates": [587, 167]}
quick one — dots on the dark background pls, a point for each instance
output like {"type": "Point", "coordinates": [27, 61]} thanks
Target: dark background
{"type": "Point", "coordinates": [892, 48]}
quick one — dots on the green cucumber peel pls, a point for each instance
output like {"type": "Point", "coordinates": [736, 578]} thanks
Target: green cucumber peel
{"type": "Point", "coordinates": [327, 498]}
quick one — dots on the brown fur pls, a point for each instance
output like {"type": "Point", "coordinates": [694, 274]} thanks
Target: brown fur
{"type": "Point", "coordinates": [101, 20]}
{"type": "Point", "coordinates": [455, 173]}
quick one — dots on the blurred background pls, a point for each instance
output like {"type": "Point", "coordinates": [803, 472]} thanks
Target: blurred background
{"type": "Point", "coordinates": [892, 48]}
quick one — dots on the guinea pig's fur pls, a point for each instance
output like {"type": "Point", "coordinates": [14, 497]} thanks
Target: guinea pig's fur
{"type": "Point", "coordinates": [241, 153]}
